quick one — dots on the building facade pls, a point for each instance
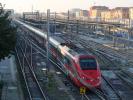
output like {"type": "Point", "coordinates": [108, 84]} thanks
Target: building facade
{"type": "Point", "coordinates": [106, 15]}
{"type": "Point", "coordinates": [120, 13]}
{"type": "Point", "coordinates": [95, 11]}
{"type": "Point", "coordinates": [79, 13]}
{"type": "Point", "coordinates": [84, 13]}
{"type": "Point", "coordinates": [131, 13]}
{"type": "Point", "coordinates": [75, 12]}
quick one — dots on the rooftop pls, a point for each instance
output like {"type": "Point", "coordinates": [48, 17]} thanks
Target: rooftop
{"type": "Point", "coordinates": [99, 7]}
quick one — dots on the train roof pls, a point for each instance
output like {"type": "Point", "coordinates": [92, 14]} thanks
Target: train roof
{"type": "Point", "coordinates": [77, 48]}
{"type": "Point", "coordinates": [57, 38]}
{"type": "Point", "coordinates": [74, 48]}
{"type": "Point", "coordinates": [71, 49]}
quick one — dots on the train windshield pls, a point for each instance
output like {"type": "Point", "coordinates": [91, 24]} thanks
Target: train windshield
{"type": "Point", "coordinates": [88, 64]}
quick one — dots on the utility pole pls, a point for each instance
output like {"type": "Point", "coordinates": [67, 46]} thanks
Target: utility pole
{"type": "Point", "coordinates": [55, 22]}
{"type": "Point", "coordinates": [48, 33]}
{"type": "Point", "coordinates": [77, 27]}
{"type": "Point", "coordinates": [24, 17]}
{"type": "Point", "coordinates": [32, 9]}
{"type": "Point", "coordinates": [67, 21]}
{"type": "Point", "coordinates": [114, 37]}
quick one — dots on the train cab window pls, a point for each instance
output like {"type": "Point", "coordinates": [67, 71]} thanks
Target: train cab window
{"type": "Point", "coordinates": [88, 63]}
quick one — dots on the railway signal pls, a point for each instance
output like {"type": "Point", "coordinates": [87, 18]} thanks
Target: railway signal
{"type": "Point", "coordinates": [82, 90]}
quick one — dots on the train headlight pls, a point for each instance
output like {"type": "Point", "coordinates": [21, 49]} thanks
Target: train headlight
{"type": "Point", "coordinates": [98, 77]}
{"type": "Point", "coordinates": [83, 77]}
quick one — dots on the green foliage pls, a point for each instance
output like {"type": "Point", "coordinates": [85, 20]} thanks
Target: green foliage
{"type": "Point", "coordinates": [7, 34]}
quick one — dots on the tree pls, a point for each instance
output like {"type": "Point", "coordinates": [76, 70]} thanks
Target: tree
{"type": "Point", "coordinates": [7, 34]}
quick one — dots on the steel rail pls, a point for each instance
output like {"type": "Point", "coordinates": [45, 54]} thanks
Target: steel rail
{"type": "Point", "coordinates": [41, 91]}
{"type": "Point", "coordinates": [30, 97]}
{"type": "Point", "coordinates": [57, 65]}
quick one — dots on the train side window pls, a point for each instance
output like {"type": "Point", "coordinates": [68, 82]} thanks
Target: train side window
{"type": "Point", "coordinates": [52, 48]}
{"type": "Point", "coordinates": [59, 55]}
{"type": "Point", "coordinates": [67, 61]}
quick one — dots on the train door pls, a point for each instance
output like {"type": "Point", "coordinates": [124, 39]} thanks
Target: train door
{"type": "Point", "coordinates": [53, 52]}
{"type": "Point", "coordinates": [68, 66]}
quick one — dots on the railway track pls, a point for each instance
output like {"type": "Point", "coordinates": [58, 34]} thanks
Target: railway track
{"type": "Point", "coordinates": [126, 78]}
{"type": "Point", "coordinates": [96, 96]}
{"type": "Point", "coordinates": [115, 83]}
{"type": "Point", "coordinates": [120, 51]}
{"type": "Point", "coordinates": [116, 96]}
{"type": "Point", "coordinates": [122, 89]}
{"type": "Point", "coordinates": [119, 54]}
{"type": "Point", "coordinates": [73, 88]}
{"type": "Point", "coordinates": [33, 87]}
{"type": "Point", "coordinates": [43, 54]}
{"type": "Point", "coordinates": [99, 94]}
{"type": "Point", "coordinates": [122, 54]}
{"type": "Point", "coordinates": [112, 82]}
{"type": "Point", "coordinates": [124, 57]}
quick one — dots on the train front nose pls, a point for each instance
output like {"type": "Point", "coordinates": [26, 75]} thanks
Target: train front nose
{"type": "Point", "coordinates": [96, 82]}
{"type": "Point", "coordinates": [93, 82]}
{"type": "Point", "coordinates": [90, 72]}
{"type": "Point", "coordinates": [93, 78]}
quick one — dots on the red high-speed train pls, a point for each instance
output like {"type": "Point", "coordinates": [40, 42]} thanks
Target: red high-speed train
{"type": "Point", "coordinates": [77, 63]}
{"type": "Point", "coordinates": [80, 66]}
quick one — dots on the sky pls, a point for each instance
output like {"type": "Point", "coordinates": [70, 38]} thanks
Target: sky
{"type": "Point", "coordinates": [61, 5]}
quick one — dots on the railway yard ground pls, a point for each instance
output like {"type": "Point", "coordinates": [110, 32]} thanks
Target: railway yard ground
{"type": "Point", "coordinates": [54, 87]}
{"type": "Point", "coordinates": [115, 63]}
{"type": "Point", "coordinates": [120, 79]}
{"type": "Point", "coordinates": [42, 84]}
{"type": "Point", "coordinates": [106, 42]}
{"type": "Point", "coordinates": [125, 54]}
